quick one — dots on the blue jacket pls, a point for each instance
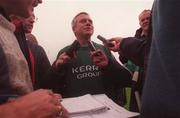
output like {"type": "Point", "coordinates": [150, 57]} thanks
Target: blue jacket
{"type": "Point", "coordinates": [161, 97]}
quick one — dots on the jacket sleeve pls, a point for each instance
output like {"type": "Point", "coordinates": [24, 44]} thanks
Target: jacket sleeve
{"type": "Point", "coordinates": [116, 72]}
{"type": "Point", "coordinates": [122, 58]}
{"type": "Point", "coordinates": [55, 79]}
{"type": "Point", "coordinates": [42, 67]}
{"type": "Point", "coordinates": [134, 49]}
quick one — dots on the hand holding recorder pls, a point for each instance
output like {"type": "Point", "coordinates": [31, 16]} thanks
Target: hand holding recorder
{"type": "Point", "coordinates": [98, 56]}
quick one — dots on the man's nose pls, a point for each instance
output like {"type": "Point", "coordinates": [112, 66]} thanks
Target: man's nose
{"type": "Point", "coordinates": [88, 23]}
{"type": "Point", "coordinates": [147, 20]}
{"type": "Point", "coordinates": [39, 1]}
{"type": "Point", "coordinates": [32, 21]}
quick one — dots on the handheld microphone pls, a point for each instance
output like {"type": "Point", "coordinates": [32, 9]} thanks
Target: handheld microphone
{"type": "Point", "coordinates": [91, 46]}
{"type": "Point", "coordinates": [105, 41]}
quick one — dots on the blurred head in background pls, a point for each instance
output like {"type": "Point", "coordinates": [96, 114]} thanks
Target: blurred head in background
{"type": "Point", "coordinates": [21, 8]}
{"type": "Point", "coordinates": [144, 20]}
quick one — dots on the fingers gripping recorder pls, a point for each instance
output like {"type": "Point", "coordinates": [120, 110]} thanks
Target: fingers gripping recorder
{"type": "Point", "coordinates": [105, 41]}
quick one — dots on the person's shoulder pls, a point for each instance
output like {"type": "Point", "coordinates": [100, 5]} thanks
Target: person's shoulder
{"type": "Point", "coordinates": [32, 45]}
{"type": "Point", "coordinates": [98, 46]}
{"type": "Point", "coordinates": [35, 48]}
{"type": "Point", "coordinates": [102, 47]}
{"type": "Point", "coordinates": [65, 48]}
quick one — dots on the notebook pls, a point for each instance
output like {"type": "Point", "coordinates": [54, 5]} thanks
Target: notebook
{"type": "Point", "coordinates": [82, 105]}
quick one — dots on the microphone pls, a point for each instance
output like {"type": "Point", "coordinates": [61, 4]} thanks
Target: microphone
{"type": "Point", "coordinates": [91, 46]}
{"type": "Point", "coordinates": [105, 41]}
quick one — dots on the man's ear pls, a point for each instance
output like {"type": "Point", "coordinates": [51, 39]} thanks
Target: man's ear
{"type": "Point", "coordinates": [74, 29]}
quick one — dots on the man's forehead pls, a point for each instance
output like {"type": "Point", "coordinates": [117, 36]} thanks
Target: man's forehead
{"type": "Point", "coordinates": [82, 16]}
{"type": "Point", "coordinates": [144, 14]}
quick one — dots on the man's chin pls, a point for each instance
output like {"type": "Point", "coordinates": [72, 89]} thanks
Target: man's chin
{"type": "Point", "coordinates": [88, 34]}
{"type": "Point", "coordinates": [27, 31]}
{"type": "Point", "coordinates": [146, 28]}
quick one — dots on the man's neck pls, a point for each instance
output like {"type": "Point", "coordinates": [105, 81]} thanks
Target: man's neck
{"type": "Point", "coordinates": [83, 40]}
{"type": "Point", "coordinates": [144, 33]}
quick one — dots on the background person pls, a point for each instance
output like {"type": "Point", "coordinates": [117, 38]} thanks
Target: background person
{"type": "Point", "coordinates": [138, 72]}
{"type": "Point", "coordinates": [39, 61]}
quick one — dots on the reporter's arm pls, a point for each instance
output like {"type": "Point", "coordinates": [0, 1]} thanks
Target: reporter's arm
{"type": "Point", "coordinates": [38, 104]}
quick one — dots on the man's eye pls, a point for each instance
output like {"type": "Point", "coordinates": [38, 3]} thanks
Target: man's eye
{"type": "Point", "coordinates": [83, 21]}
{"type": "Point", "coordinates": [142, 20]}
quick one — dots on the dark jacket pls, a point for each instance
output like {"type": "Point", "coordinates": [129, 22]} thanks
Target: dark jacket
{"type": "Point", "coordinates": [162, 87]}
{"type": "Point", "coordinates": [41, 64]}
{"type": "Point", "coordinates": [136, 50]}
{"type": "Point", "coordinates": [136, 86]}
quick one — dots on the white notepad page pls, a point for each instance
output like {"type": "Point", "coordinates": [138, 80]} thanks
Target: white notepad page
{"type": "Point", "coordinates": [83, 104]}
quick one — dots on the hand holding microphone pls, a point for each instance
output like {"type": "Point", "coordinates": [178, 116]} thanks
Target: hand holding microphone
{"type": "Point", "coordinates": [106, 42]}
{"type": "Point", "coordinates": [113, 44]}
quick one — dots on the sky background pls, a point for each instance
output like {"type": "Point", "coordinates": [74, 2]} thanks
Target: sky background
{"type": "Point", "coordinates": [111, 18]}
